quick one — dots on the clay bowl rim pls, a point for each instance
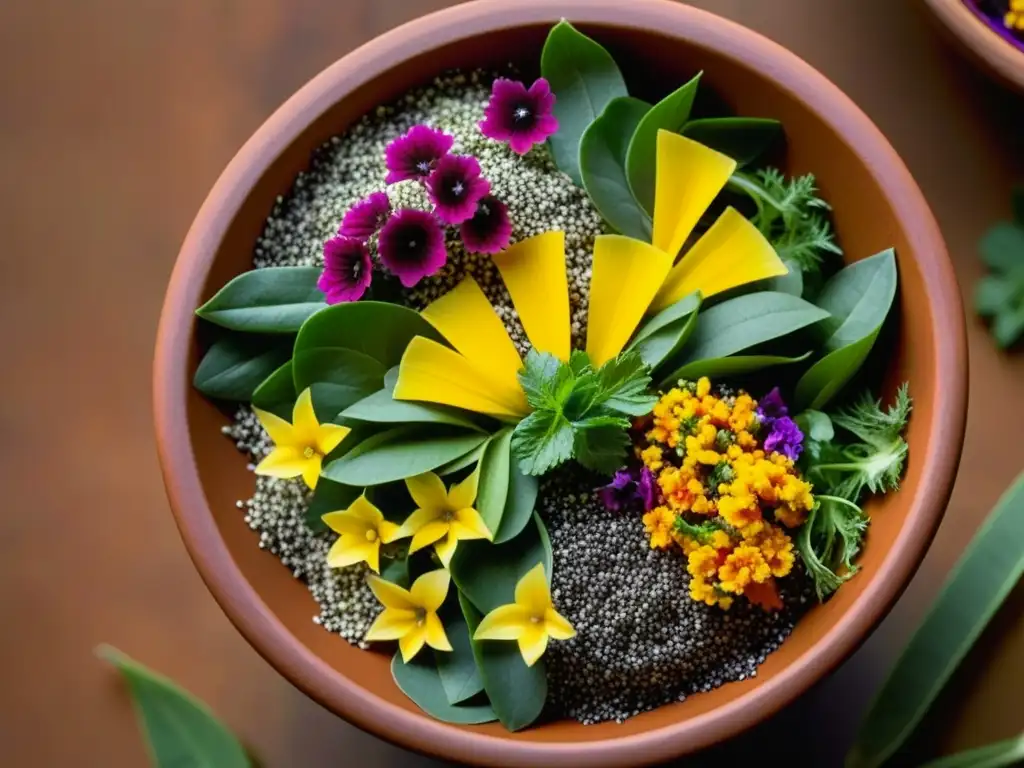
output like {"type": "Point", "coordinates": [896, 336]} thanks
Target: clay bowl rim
{"type": "Point", "coordinates": [983, 43]}
{"type": "Point", "coordinates": [416, 731]}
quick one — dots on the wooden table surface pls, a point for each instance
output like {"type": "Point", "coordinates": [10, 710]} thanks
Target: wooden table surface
{"type": "Point", "coordinates": [116, 118]}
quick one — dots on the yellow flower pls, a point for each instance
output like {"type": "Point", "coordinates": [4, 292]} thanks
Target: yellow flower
{"type": "Point", "coordinates": [742, 566]}
{"type": "Point", "coordinates": [652, 457]}
{"type": "Point", "coordinates": [703, 592]}
{"type": "Point", "coordinates": [299, 447]}
{"type": "Point", "coordinates": [703, 386]}
{"type": "Point", "coordinates": [363, 529]}
{"type": "Point", "coordinates": [530, 620]}
{"type": "Point", "coordinates": [410, 615]}
{"type": "Point", "coordinates": [776, 547]}
{"type": "Point", "coordinates": [443, 518]}
{"type": "Point", "coordinates": [659, 523]}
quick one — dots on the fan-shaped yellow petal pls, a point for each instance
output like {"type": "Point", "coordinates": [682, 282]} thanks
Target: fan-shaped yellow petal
{"type": "Point", "coordinates": [329, 437]}
{"type": "Point", "coordinates": [533, 642]}
{"type": "Point", "coordinates": [435, 635]}
{"type": "Point", "coordinates": [506, 622]}
{"type": "Point", "coordinates": [534, 273]}
{"type": "Point", "coordinates": [430, 589]}
{"type": "Point", "coordinates": [467, 524]}
{"type": "Point", "coordinates": [280, 431]}
{"type": "Point", "coordinates": [445, 548]}
{"type": "Point", "coordinates": [557, 626]}
{"type": "Point", "coordinates": [463, 494]}
{"type": "Point", "coordinates": [428, 534]}
{"type": "Point", "coordinates": [350, 549]}
{"type": "Point", "coordinates": [390, 595]}
{"type": "Point", "coordinates": [688, 176]}
{"type": "Point", "coordinates": [284, 462]}
{"type": "Point", "coordinates": [430, 372]}
{"type": "Point", "coordinates": [428, 491]}
{"type": "Point", "coordinates": [304, 422]}
{"type": "Point", "coordinates": [532, 592]}
{"type": "Point", "coordinates": [626, 275]}
{"type": "Point", "coordinates": [392, 624]}
{"type": "Point", "coordinates": [732, 253]}
{"type": "Point", "coordinates": [412, 642]}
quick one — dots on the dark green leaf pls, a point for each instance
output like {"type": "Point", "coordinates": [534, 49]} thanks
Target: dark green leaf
{"type": "Point", "coordinates": [395, 570]}
{"type": "Point", "coordinates": [276, 393]}
{"type": "Point", "coordinates": [466, 460]}
{"type": "Point", "coordinates": [666, 333]}
{"type": "Point", "coordinates": [792, 282]}
{"type": "Point", "coordinates": [584, 78]}
{"type": "Point", "coordinates": [979, 583]}
{"type": "Point", "coordinates": [420, 681]}
{"type": "Point", "coordinates": [603, 167]}
{"type": "Point", "coordinates": [381, 407]}
{"type": "Point", "coordinates": [329, 497]}
{"type": "Point", "coordinates": [1002, 247]}
{"type": "Point", "coordinates": [669, 114]}
{"type": "Point", "coordinates": [1008, 327]}
{"type": "Point", "coordinates": [736, 365]}
{"type": "Point", "coordinates": [600, 443]}
{"type": "Point", "coordinates": [235, 365]}
{"type": "Point", "coordinates": [995, 293]}
{"type": "Point", "coordinates": [460, 677]}
{"type": "Point", "coordinates": [492, 488]}
{"type": "Point", "coordinates": [398, 458]}
{"type": "Point", "coordinates": [268, 300]}
{"type": "Point", "coordinates": [541, 441]}
{"type": "Point", "coordinates": [546, 382]}
{"type": "Point", "coordinates": [816, 425]}
{"type": "Point", "coordinates": [744, 139]}
{"type": "Point", "coordinates": [623, 386]}
{"type": "Point", "coordinates": [522, 497]}
{"type": "Point", "coordinates": [1002, 754]}
{"type": "Point", "coordinates": [338, 376]}
{"type": "Point", "coordinates": [181, 731]}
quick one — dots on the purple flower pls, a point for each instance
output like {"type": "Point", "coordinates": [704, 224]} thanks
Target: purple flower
{"type": "Point", "coordinates": [455, 187]}
{"type": "Point", "coordinates": [785, 437]}
{"type": "Point", "coordinates": [365, 217]}
{"type": "Point", "coordinates": [519, 116]}
{"type": "Point", "coordinates": [647, 489]}
{"type": "Point", "coordinates": [489, 231]}
{"type": "Point", "coordinates": [347, 270]}
{"type": "Point", "coordinates": [628, 486]}
{"type": "Point", "coordinates": [414, 155]}
{"type": "Point", "coordinates": [771, 406]}
{"type": "Point", "coordinates": [411, 245]}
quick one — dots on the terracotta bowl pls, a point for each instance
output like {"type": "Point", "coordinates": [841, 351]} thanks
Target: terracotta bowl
{"type": "Point", "coordinates": [981, 43]}
{"type": "Point", "coordinates": [877, 205]}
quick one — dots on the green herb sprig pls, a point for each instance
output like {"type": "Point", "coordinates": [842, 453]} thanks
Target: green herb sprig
{"type": "Point", "coordinates": [1000, 294]}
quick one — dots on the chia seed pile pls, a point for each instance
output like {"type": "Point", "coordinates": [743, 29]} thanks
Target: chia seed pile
{"type": "Point", "coordinates": [641, 641]}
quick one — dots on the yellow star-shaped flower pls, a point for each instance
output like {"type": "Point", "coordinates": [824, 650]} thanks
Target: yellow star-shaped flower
{"type": "Point", "coordinates": [363, 529]}
{"type": "Point", "coordinates": [299, 447]}
{"type": "Point", "coordinates": [410, 615]}
{"type": "Point", "coordinates": [443, 518]}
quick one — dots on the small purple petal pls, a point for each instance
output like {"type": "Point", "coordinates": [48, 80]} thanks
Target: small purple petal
{"type": "Point", "coordinates": [785, 438]}
{"type": "Point", "coordinates": [489, 230]}
{"type": "Point", "coordinates": [455, 187]}
{"type": "Point", "coordinates": [411, 245]}
{"type": "Point", "coordinates": [522, 117]}
{"type": "Point", "coordinates": [366, 217]}
{"type": "Point", "coordinates": [772, 406]}
{"type": "Point", "coordinates": [620, 492]}
{"type": "Point", "coordinates": [647, 489]}
{"type": "Point", "coordinates": [414, 155]}
{"type": "Point", "coordinates": [348, 270]}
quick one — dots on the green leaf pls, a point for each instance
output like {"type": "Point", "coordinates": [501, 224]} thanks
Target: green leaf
{"type": "Point", "coordinates": [542, 440]}
{"type": "Point", "coordinates": [382, 408]}
{"type": "Point", "coordinates": [623, 386]}
{"type": "Point", "coordinates": [600, 443]}
{"type": "Point", "coordinates": [517, 692]}
{"type": "Point", "coordinates": [1002, 247]}
{"type": "Point", "coordinates": [492, 489]}
{"type": "Point", "coordinates": [792, 282]}
{"type": "Point", "coordinates": [1002, 754]}
{"type": "Point", "coordinates": [995, 293]}
{"type": "Point", "coordinates": [398, 458]}
{"type": "Point", "coordinates": [584, 78]}
{"type": "Point", "coordinates": [979, 583]}
{"type": "Point", "coordinates": [457, 668]}
{"type": "Point", "coordinates": [744, 139]}
{"type": "Point", "coordinates": [721, 367]}
{"type": "Point", "coordinates": [603, 167]}
{"type": "Point", "coordinates": [419, 680]}
{"type": "Point", "coordinates": [1008, 327]}
{"type": "Point", "coordinates": [858, 298]}
{"type": "Point", "coordinates": [329, 496]}
{"type": "Point", "coordinates": [235, 365]}
{"type": "Point", "coordinates": [395, 570]}
{"type": "Point", "coordinates": [466, 460]}
{"type": "Point", "coordinates": [276, 393]}
{"type": "Point", "coordinates": [374, 328]}
{"type": "Point", "coordinates": [338, 376]}
{"type": "Point", "coordinates": [815, 425]}
{"type": "Point", "coordinates": [181, 731]}
{"type": "Point", "coordinates": [519, 504]}
{"type": "Point", "coordinates": [268, 300]}
{"type": "Point", "coordinates": [669, 114]}
{"type": "Point", "coordinates": [666, 333]}
{"type": "Point", "coordinates": [391, 378]}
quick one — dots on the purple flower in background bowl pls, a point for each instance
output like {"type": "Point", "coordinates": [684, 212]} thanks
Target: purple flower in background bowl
{"type": "Point", "coordinates": [347, 270]}
{"type": "Point", "coordinates": [411, 245]}
{"type": "Point", "coordinates": [414, 155]}
{"type": "Point", "coordinates": [455, 187]}
{"type": "Point", "coordinates": [366, 217]}
{"type": "Point", "coordinates": [489, 230]}
{"type": "Point", "coordinates": [522, 117]}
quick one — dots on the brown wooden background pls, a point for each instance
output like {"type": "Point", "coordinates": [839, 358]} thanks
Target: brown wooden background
{"type": "Point", "coordinates": [115, 119]}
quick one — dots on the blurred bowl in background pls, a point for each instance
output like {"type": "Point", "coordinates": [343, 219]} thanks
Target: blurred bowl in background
{"type": "Point", "coordinates": [984, 43]}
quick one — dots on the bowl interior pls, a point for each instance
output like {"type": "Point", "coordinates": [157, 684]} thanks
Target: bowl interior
{"type": "Point", "coordinates": [865, 221]}
{"type": "Point", "coordinates": [988, 45]}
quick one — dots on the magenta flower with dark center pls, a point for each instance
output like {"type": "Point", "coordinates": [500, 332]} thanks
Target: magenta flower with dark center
{"type": "Point", "coordinates": [365, 217]}
{"type": "Point", "coordinates": [455, 187]}
{"type": "Point", "coordinates": [411, 245]}
{"type": "Point", "coordinates": [489, 230]}
{"type": "Point", "coordinates": [347, 270]}
{"type": "Point", "coordinates": [414, 155]}
{"type": "Point", "coordinates": [522, 117]}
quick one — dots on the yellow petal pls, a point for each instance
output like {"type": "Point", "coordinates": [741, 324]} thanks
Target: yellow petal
{"type": "Point", "coordinates": [350, 549]}
{"type": "Point", "coordinates": [732, 252]}
{"type": "Point", "coordinates": [428, 534]}
{"type": "Point", "coordinates": [280, 431]}
{"type": "Point", "coordinates": [391, 624]}
{"type": "Point", "coordinates": [329, 436]}
{"type": "Point", "coordinates": [436, 638]}
{"type": "Point", "coordinates": [412, 643]}
{"type": "Point", "coordinates": [427, 490]}
{"type": "Point", "coordinates": [506, 622]}
{"type": "Point", "coordinates": [389, 532]}
{"type": "Point", "coordinates": [626, 275]}
{"type": "Point", "coordinates": [418, 519]}
{"type": "Point", "coordinates": [467, 524]}
{"type": "Point", "coordinates": [556, 625]}
{"type": "Point", "coordinates": [304, 421]}
{"type": "Point", "coordinates": [360, 517]}
{"type": "Point", "coordinates": [390, 595]}
{"type": "Point", "coordinates": [532, 643]}
{"type": "Point", "coordinates": [430, 589]}
{"type": "Point", "coordinates": [465, 317]}
{"type": "Point", "coordinates": [445, 548]}
{"type": "Point", "coordinates": [433, 373]}
{"type": "Point", "coordinates": [688, 177]}
{"type": "Point", "coordinates": [463, 494]}
{"type": "Point", "coordinates": [534, 273]}
{"type": "Point", "coordinates": [532, 591]}
{"type": "Point", "coordinates": [283, 461]}
{"type": "Point", "coordinates": [311, 470]}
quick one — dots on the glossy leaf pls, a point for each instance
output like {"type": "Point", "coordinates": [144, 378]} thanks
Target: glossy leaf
{"type": "Point", "coordinates": [276, 393]}
{"type": "Point", "coordinates": [722, 367]}
{"type": "Point", "coordinates": [519, 504]}
{"type": "Point", "coordinates": [419, 680]}
{"type": "Point", "coordinates": [457, 668]}
{"type": "Point", "coordinates": [339, 377]}
{"type": "Point", "coordinates": [492, 488]}
{"type": "Point", "coordinates": [744, 139]}
{"type": "Point", "coordinates": [467, 459]}
{"type": "Point", "coordinates": [398, 458]}
{"type": "Point", "coordinates": [181, 731]}
{"type": "Point", "coordinates": [381, 408]}
{"type": "Point", "coordinates": [986, 573]}
{"type": "Point", "coordinates": [669, 114]}
{"type": "Point", "coordinates": [584, 78]}
{"type": "Point", "coordinates": [1002, 754]}
{"type": "Point", "coordinates": [792, 282]}
{"type": "Point", "coordinates": [666, 333]}
{"type": "Point", "coordinates": [236, 364]}
{"type": "Point", "coordinates": [329, 497]}
{"type": "Point", "coordinates": [268, 300]}
{"type": "Point", "coordinates": [603, 167]}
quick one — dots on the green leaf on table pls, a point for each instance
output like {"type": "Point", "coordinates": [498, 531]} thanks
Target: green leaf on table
{"type": "Point", "coordinates": [669, 114]}
{"type": "Point", "coordinates": [744, 139]}
{"type": "Point", "coordinates": [181, 731]}
{"type": "Point", "coordinates": [603, 167]}
{"type": "Point", "coordinates": [1002, 247]}
{"type": "Point", "coordinates": [721, 367]}
{"type": "Point", "coordinates": [517, 692]}
{"type": "Point", "coordinates": [420, 681]}
{"type": "Point", "coordinates": [236, 364]}
{"type": "Point", "coordinates": [1000, 295]}
{"type": "Point", "coordinates": [399, 456]}
{"type": "Point", "coordinates": [329, 496]}
{"type": "Point", "coordinates": [492, 485]}
{"type": "Point", "coordinates": [338, 377]}
{"type": "Point", "coordinates": [519, 504]}
{"type": "Point", "coordinates": [666, 333]}
{"type": "Point", "coordinates": [1002, 754]}
{"type": "Point", "coordinates": [276, 393]}
{"type": "Point", "coordinates": [460, 676]}
{"type": "Point", "coordinates": [858, 298]}
{"type": "Point", "coordinates": [382, 408]}
{"type": "Point", "coordinates": [267, 300]}
{"type": "Point", "coordinates": [986, 573]}
{"type": "Point", "coordinates": [584, 78]}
